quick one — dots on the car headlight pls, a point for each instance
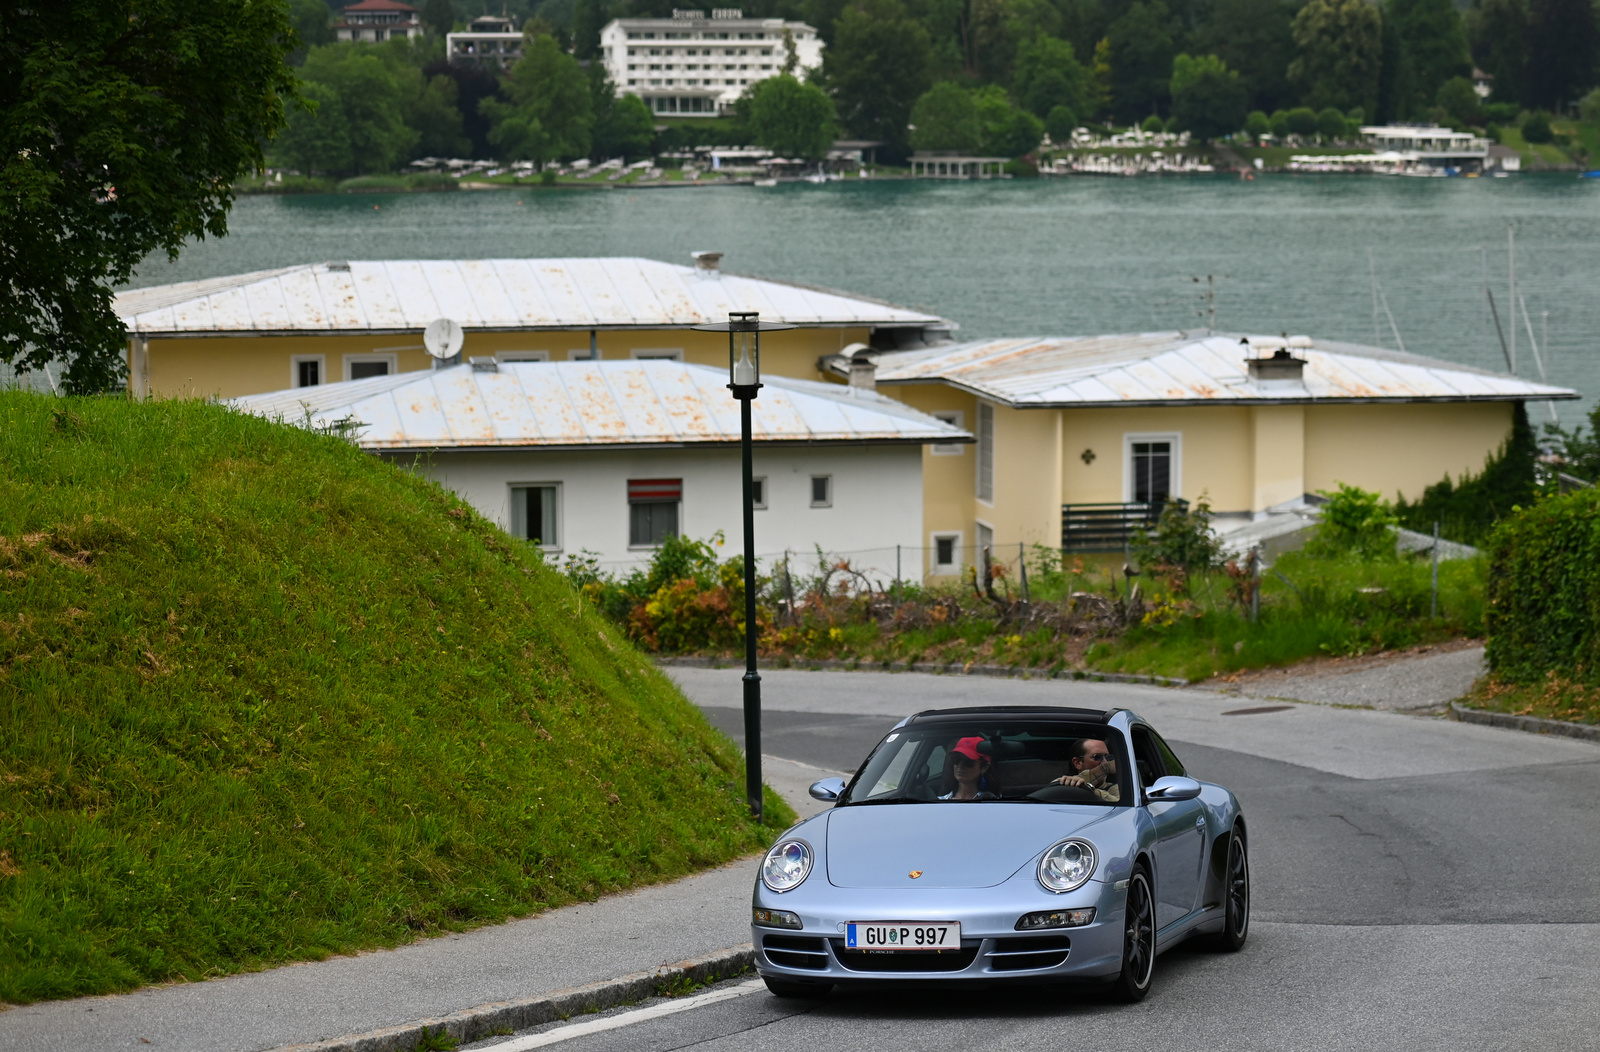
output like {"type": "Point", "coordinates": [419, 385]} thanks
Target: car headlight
{"type": "Point", "coordinates": [1067, 866]}
{"type": "Point", "coordinates": [787, 865]}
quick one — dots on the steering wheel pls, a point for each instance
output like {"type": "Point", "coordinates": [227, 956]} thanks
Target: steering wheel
{"type": "Point", "coordinates": [1065, 794]}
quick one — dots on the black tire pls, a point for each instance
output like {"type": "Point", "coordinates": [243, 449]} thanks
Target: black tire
{"type": "Point", "coordinates": [797, 991]}
{"type": "Point", "coordinates": [1138, 939]}
{"type": "Point", "coordinates": [1235, 898]}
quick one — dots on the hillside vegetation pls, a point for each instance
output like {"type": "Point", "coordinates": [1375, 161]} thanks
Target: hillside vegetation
{"type": "Point", "coordinates": [264, 698]}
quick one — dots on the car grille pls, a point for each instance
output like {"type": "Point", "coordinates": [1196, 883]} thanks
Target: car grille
{"type": "Point", "coordinates": [793, 951]}
{"type": "Point", "coordinates": [906, 960]}
{"type": "Point", "coordinates": [1041, 951]}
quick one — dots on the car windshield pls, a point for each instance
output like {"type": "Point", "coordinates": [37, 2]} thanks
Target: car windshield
{"type": "Point", "coordinates": [981, 760]}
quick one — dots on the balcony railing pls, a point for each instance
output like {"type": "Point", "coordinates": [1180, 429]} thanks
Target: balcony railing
{"type": "Point", "coordinates": [1108, 527]}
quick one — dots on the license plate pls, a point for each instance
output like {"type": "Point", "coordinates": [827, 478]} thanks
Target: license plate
{"type": "Point", "coordinates": [903, 935]}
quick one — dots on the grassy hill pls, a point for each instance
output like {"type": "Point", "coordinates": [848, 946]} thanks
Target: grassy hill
{"type": "Point", "coordinates": [264, 698]}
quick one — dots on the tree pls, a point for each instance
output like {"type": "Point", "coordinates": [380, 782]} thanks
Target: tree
{"type": "Point", "coordinates": [549, 115]}
{"type": "Point", "coordinates": [1253, 38]}
{"type": "Point", "coordinates": [473, 85]}
{"type": "Point", "coordinates": [434, 113]}
{"type": "Point", "coordinates": [1060, 124]}
{"type": "Point", "coordinates": [1301, 121]}
{"type": "Point", "coordinates": [1457, 98]}
{"type": "Point", "coordinates": [1142, 47]}
{"type": "Point", "coordinates": [792, 119]}
{"type": "Point", "coordinates": [623, 124]}
{"type": "Point", "coordinates": [373, 103]}
{"type": "Point", "coordinates": [1536, 128]}
{"type": "Point", "coordinates": [1339, 44]}
{"type": "Point", "coordinates": [1331, 124]}
{"type": "Point", "coordinates": [1006, 130]}
{"type": "Point", "coordinates": [438, 15]}
{"type": "Point", "coordinates": [588, 18]}
{"type": "Point", "coordinates": [1434, 49]}
{"type": "Point", "coordinates": [318, 137]}
{"type": "Point", "coordinates": [1257, 124]}
{"type": "Point", "coordinates": [1562, 43]}
{"type": "Point", "coordinates": [997, 27]}
{"type": "Point", "coordinates": [123, 127]}
{"type": "Point", "coordinates": [946, 118]}
{"type": "Point", "coordinates": [1208, 100]}
{"type": "Point", "coordinates": [1498, 33]}
{"type": "Point", "coordinates": [1048, 75]}
{"type": "Point", "coordinates": [313, 21]}
{"type": "Point", "coordinates": [877, 69]}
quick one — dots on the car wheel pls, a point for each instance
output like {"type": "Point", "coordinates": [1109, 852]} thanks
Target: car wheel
{"type": "Point", "coordinates": [1235, 897]}
{"type": "Point", "coordinates": [798, 991]}
{"type": "Point", "coordinates": [1138, 939]}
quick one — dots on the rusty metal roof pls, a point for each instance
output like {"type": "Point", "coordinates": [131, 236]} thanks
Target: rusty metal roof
{"type": "Point", "coordinates": [488, 294]}
{"type": "Point", "coordinates": [1163, 368]}
{"type": "Point", "coordinates": [520, 404]}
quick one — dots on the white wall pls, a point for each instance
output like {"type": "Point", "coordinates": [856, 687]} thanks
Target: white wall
{"type": "Point", "coordinates": [877, 498]}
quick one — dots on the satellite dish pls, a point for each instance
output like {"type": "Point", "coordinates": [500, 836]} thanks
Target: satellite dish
{"type": "Point", "coordinates": [442, 338]}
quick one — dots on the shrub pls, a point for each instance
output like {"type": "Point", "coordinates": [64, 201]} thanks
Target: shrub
{"type": "Point", "coordinates": [1468, 509]}
{"type": "Point", "coordinates": [1182, 538]}
{"type": "Point", "coordinates": [1501, 112]}
{"type": "Point", "coordinates": [1354, 520]}
{"type": "Point", "coordinates": [1589, 107]}
{"type": "Point", "coordinates": [1258, 124]}
{"type": "Point", "coordinates": [1302, 121]}
{"type": "Point", "coordinates": [1544, 591]}
{"type": "Point", "coordinates": [1331, 124]}
{"type": "Point", "coordinates": [1153, 123]}
{"type": "Point", "coordinates": [1280, 123]}
{"type": "Point", "coordinates": [1537, 127]}
{"type": "Point", "coordinates": [1060, 124]}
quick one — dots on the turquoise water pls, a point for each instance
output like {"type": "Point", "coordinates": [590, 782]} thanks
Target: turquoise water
{"type": "Point", "coordinates": [1064, 256]}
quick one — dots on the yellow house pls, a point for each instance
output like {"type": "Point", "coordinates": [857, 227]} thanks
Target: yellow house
{"type": "Point", "coordinates": [318, 323]}
{"type": "Point", "coordinates": [1081, 439]}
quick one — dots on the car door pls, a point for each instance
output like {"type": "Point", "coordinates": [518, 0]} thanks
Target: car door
{"type": "Point", "coordinates": [1180, 828]}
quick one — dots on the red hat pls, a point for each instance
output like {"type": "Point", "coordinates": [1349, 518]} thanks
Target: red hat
{"type": "Point", "coordinates": [968, 747]}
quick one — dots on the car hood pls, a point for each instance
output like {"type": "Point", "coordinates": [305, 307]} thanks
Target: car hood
{"type": "Point", "coordinates": [949, 845]}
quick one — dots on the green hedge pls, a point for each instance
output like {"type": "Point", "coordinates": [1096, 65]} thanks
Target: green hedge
{"type": "Point", "coordinates": [1544, 591]}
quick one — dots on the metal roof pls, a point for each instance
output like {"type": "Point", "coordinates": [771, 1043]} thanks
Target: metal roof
{"type": "Point", "coordinates": [1163, 368]}
{"type": "Point", "coordinates": [502, 295]}
{"type": "Point", "coordinates": [521, 404]}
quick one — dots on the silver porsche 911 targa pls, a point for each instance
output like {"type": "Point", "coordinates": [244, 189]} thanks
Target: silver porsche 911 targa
{"type": "Point", "coordinates": [1004, 844]}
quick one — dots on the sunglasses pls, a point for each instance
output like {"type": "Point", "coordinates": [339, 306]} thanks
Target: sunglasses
{"type": "Point", "coordinates": [960, 760]}
{"type": "Point", "coordinates": [1101, 756]}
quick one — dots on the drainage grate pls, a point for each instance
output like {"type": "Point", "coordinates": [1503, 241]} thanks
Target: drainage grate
{"type": "Point", "coordinates": [1258, 710]}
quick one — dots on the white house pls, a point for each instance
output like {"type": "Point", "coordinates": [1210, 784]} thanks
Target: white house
{"type": "Point", "coordinates": [491, 41]}
{"type": "Point", "coordinates": [697, 66]}
{"type": "Point", "coordinates": [1429, 144]}
{"type": "Point", "coordinates": [611, 457]}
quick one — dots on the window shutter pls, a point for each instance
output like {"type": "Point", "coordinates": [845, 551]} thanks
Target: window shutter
{"type": "Point", "coordinates": [649, 491]}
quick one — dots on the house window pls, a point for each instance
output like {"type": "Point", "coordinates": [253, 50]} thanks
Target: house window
{"type": "Point", "coordinates": [1152, 468]}
{"type": "Point", "coordinates": [657, 354]}
{"type": "Point", "coordinates": [955, 418]}
{"type": "Point", "coordinates": [582, 354]}
{"type": "Point", "coordinates": [822, 491]}
{"type": "Point", "coordinates": [307, 369]}
{"type": "Point", "coordinates": [653, 510]}
{"type": "Point", "coordinates": [522, 356]}
{"type": "Point", "coordinates": [758, 492]}
{"type": "Point", "coordinates": [946, 553]}
{"type": "Point", "coordinates": [986, 453]}
{"type": "Point", "coordinates": [534, 514]}
{"type": "Point", "coordinates": [985, 537]}
{"type": "Point", "coordinates": [366, 366]}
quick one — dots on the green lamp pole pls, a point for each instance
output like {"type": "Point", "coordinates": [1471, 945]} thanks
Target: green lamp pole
{"type": "Point", "coordinates": [744, 329]}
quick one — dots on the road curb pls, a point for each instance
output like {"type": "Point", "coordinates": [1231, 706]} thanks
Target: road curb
{"type": "Point", "coordinates": [1530, 724]}
{"type": "Point", "coordinates": [998, 671]}
{"type": "Point", "coordinates": [475, 1024]}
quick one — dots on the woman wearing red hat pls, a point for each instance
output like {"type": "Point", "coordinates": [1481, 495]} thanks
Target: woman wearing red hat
{"type": "Point", "coordinates": [969, 771]}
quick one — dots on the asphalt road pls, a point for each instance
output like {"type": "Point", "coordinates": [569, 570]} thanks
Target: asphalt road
{"type": "Point", "coordinates": [1418, 883]}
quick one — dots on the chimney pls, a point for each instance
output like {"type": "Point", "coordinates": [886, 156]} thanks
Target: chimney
{"type": "Point", "coordinates": [1283, 365]}
{"type": "Point", "coordinates": [707, 262]}
{"type": "Point", "coordinates": [863, 371]}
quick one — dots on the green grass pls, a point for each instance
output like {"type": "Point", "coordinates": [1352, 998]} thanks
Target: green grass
{"type": "Point", "coordinates": [264, 698]}
{"type": "Point", "coordinates": [1535, 155]}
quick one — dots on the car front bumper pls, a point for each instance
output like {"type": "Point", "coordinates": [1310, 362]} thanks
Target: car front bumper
{"type": "Point", "coordinates": [992, 950]}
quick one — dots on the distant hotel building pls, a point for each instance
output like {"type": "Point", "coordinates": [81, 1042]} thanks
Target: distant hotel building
{"type": "Point", "coordinates": [375, 21]}
{"type": "Point", "coordinates": [694, 65]}
{"type": "Point", "coordinates": [1429, 144]}
{"type": "Point", "coordinates": [491, 41]}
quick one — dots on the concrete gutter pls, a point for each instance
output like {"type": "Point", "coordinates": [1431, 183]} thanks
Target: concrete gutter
{"type": "Point", "coordinates": [475, 1024]}
{"type": "Point", "coordinates": [1531, 724]}
{"type": "Point", "coordinates": [1001, 671]}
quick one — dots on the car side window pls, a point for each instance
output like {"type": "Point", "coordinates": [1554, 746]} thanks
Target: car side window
{"type": "Point", "coordinates": [1147, 756]}
{"type": "Point", "coordinates": [1169, 759]}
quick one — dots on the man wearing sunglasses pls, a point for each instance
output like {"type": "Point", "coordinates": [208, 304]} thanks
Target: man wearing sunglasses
{"type": "Point", "coordinates": [1095, 770]}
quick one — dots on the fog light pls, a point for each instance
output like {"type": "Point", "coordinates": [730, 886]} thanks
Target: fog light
{"type": "Point", "coordinates": [785, 919]}
{"type": "Point", "coordinates": [1056, 919]}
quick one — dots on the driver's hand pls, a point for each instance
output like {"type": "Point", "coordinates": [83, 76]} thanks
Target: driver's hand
{"type": "Point", "coordinates": [1072, 780]}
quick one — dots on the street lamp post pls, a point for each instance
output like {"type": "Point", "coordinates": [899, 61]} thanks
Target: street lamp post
{"type": "Point", "coordinates": [744, 330]}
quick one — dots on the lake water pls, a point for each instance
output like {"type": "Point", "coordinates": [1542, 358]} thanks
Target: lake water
{"type": "Point", "coordinates": [1068, 256]}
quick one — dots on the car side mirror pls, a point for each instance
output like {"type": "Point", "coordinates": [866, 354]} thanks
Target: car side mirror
{"type": "Point", "coordinates": [830, 789]}
{"type": "Point", "coordinates": [1172, 787]}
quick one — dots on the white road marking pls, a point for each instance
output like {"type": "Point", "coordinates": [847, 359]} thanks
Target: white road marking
{"type": "Point", "coordinates": [638, 1015]}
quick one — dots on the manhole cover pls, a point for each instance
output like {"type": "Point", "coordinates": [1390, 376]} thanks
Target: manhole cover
{"type": "Point", "coordinates": [1258, 710]}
